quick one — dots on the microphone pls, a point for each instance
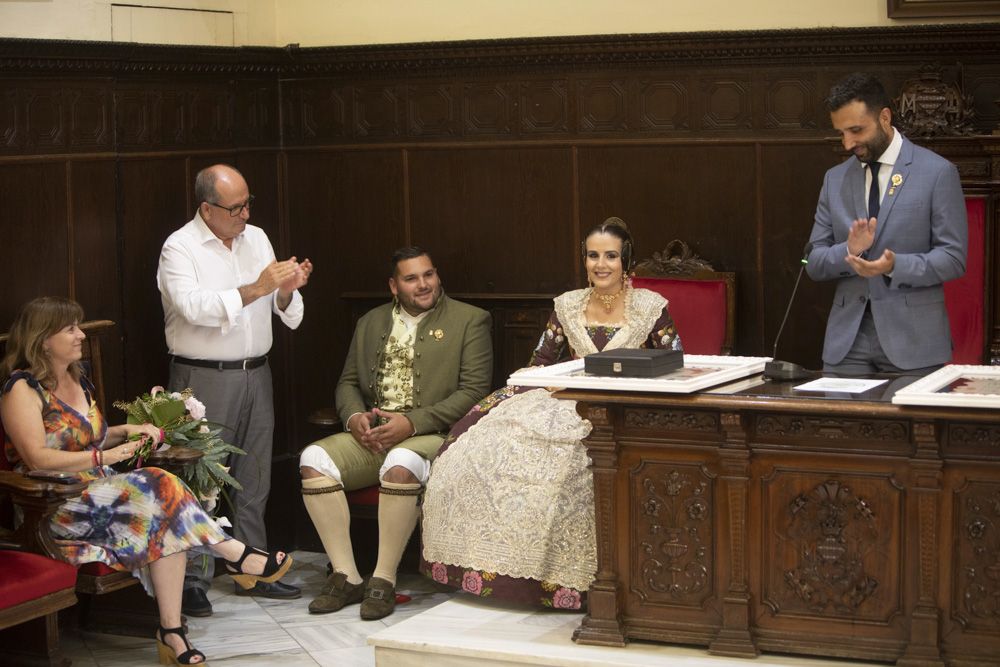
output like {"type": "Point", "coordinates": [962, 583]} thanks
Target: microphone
{"type": "Point", "coordinates": [786, 370]}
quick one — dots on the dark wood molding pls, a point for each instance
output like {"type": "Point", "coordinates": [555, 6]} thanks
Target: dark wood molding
{"type": "Point", "coordinates": [923, 9]}
{"type": "Point", "coordinates": [819, 45]}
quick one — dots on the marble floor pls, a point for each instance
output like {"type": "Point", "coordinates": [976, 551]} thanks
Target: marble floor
{"type": "Point", "coordinates": [437, 627]}
{"type": "Point", "coordinates": [257, 631]}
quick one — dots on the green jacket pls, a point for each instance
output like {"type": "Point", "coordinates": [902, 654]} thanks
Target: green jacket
{"type": "Point", "coordinates": [452, 371]}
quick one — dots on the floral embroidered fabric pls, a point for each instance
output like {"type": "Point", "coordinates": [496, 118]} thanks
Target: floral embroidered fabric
{"type": "Point", "coordinates": [395, 379]}
{"type": "Point", "coordinates": [509, 508]}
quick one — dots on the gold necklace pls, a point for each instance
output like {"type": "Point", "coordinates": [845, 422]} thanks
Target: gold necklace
{"type": "Point", "coordinates": [607, 300]}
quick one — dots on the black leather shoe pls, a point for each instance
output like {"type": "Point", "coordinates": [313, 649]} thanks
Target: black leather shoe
{"type": "Point", "coordinates": [195, 602]}
{"type": "Point", "coordinates": [276, 591]}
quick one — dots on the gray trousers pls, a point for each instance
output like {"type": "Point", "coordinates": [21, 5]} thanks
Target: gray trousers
{"type": "Point", "coordinates": [242, 402]}
{"type": "Point", "coordinates": [866, 355]}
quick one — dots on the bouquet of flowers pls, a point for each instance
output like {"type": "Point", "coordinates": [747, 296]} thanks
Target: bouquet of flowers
{"type": "Point", "coordinates": [182, 418]}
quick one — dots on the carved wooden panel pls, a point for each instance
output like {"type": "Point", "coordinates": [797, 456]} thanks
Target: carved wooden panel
{"type": "Point", "coordinates": [831, 545]}
{"type": "Point", "coordinates": [658, 419]}
{"type": "Point", "coordinates": [726, 104]}
{"type": "Point", "coordinates": [838, 432]}
{"type": "Point", "coordinates": [377, 113]}
{"type": "Point", "coordinates": [672, 511]}
{"type": "Point", "coordinates": [172, 116]}
{"type": "Point", "coordinates": [790, 102]}
{"type": "Point", "coordinates": [488, 109]}
{"type": "Point", "coordinates": [663, 104]}
{"type": "Point", "coordinates": [255, 113]}
{"type": "Point", "coordinates": [976, 572]}
{"type": "Point", "coordinates": [432, 111]}
{"type": "Point", "coordinates": [544, 107]}
{"type": "Point", "coordinates": [602, 105]}
{"type": "Point", "coordinates": [47, 117]}
{"type": "Point", "coordinates": [971, 440]}
{"type": "Point", "coordinates": [316, 112]}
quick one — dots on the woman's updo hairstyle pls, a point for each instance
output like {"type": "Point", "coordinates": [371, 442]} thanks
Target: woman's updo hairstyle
{"type": "Point", "coordinates": [615, 227]}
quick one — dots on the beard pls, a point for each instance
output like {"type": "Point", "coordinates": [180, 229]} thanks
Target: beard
{"type": "Point", "coordinates": [412, 307]}
{"type": "Point", "coordinates": [875, 147]}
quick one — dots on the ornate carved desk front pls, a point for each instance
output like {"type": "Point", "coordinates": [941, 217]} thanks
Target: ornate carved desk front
{"type": "Point", "coordinates": [764, 521]}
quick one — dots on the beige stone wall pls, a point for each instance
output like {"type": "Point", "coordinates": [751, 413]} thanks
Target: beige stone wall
{"type": "Point", "coordinates": [337, 22]}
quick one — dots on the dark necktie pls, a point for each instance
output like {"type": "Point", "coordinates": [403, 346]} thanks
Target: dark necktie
{"type": "Point", "coordinates": [873, 197]}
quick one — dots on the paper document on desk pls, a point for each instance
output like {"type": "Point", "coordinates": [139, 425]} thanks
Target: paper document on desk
{"type": "Point", "coordinates": [840, 385]}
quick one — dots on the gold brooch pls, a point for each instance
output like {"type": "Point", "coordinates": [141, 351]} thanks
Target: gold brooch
{"type": "Point", "coordinates": [438, 334]}
{"type": "Point", "coordinates": [897, 180]}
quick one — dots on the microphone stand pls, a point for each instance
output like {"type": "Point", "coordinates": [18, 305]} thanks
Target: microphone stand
{"type": "Point", "coordinates": [786, 370]}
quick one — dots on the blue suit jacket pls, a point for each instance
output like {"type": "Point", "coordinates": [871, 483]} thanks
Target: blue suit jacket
{"type": "Point", "coordinates": [924, 222]}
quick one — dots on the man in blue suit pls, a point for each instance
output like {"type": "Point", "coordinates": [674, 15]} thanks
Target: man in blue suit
{"type": "Point", "coordinates": [890, 228]}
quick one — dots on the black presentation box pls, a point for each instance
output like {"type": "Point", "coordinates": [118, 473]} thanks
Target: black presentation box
{"type": "Point", "coordinates": [634, 363]}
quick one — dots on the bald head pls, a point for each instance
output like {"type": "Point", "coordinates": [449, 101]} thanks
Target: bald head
{"type": "Point", "coordinates": [221, 190]}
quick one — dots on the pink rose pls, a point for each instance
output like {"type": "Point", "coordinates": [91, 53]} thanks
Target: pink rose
{"type": "Point", "coordinates": [195, 407]}
{"type": "Point", "coordinates": [566, 598]}
{"type": "Point", "coordinates": [156, 390]}
{"type": "Point", "coordinates": [439, 573]}
{"type": "Point", "coordinates": [472, 582]}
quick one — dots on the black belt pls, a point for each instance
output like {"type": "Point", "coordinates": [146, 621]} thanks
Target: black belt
{"type": "Point", "coordinates": [240, 365]}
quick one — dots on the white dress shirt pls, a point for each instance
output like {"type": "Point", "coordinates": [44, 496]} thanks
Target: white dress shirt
{"type": "Point", "coordinates": [199, 280]}
{"type": "Point", "coordinates": [888, 160]}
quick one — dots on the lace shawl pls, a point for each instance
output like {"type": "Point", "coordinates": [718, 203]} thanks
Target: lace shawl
{"type": "Point", "coordinates": [642, 308]}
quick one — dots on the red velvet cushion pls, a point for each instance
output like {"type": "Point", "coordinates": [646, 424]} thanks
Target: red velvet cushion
{"type": "Point", "coordinates": [964, 297]}
{"type": "Point", "coordinates": [698, 308]}
{"type": "Point", "coordinates": [96, 569]}
{"type": "Point", "coordinates": [365, 496]}
{"type": "Point", "coordinates": [25, 576]}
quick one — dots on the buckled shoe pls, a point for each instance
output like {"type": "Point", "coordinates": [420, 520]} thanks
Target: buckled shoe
{"type": "Point", "coordinates": [380, 599]}
{"type": "Point", "coordinates": [336, 594]}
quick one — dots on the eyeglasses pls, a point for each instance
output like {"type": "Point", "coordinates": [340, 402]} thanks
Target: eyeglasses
{"type": "Point", "coordinates": [234, 210]}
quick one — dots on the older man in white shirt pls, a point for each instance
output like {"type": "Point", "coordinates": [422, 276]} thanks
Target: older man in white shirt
{"type": "Point", "coordinates": [220, 283]}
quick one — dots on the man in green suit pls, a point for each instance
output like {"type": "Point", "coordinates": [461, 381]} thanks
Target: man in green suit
{"type": "Point", "coordinates": [415, 366]}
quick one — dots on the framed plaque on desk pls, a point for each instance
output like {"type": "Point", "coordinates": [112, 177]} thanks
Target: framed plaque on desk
{"type": "Point", "coordinates": [699, 372]}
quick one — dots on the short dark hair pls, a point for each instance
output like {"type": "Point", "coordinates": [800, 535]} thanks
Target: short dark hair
{"type": "Point", "coordinates": [405, 253]}
{"type": "Point", "coordinates": [861, 87]}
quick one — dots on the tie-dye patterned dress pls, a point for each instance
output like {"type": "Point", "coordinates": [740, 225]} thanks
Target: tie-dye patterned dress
{"type": "Point", "coordinates": [124, 520]}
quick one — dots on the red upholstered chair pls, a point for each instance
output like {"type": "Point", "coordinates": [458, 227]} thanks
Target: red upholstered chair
{"type": "Point", "coordinates": [964, 297]}
{"type": "Point", "coordinates": [34, 587]}
{"type": "Point", "coordinates": [702, 301]}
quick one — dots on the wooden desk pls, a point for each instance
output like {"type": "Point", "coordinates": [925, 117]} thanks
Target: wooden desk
{"type": "Point", "coordinates": [764, 521]}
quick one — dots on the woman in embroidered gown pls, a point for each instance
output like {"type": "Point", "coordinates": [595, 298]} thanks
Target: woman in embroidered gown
{"type": "Point", "coordinates": [509, 507]}
{"type": "Point", "coordinates": [141, 521]}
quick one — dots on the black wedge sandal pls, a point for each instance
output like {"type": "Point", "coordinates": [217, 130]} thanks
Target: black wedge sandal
{"type": "Point", "coordinates": [167, 654]}
{"type": "Point", "coordinates": [273, 570]}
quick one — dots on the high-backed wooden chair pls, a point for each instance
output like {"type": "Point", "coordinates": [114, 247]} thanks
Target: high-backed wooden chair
{"type": "Point", "coordinates": [702, 301]}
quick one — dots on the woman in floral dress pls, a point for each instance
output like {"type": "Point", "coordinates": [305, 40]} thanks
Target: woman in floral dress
{"type": "Point", "coordinates": [509, 507]}
{"type": "Point", "coordinates": [141, 521]}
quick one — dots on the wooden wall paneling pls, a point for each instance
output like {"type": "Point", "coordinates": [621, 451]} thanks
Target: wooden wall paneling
{"type": "Point", "coordinates": [789, 192]}
{"type": "Point", "coordinates": [703, 193]}
{"type": "Point", "coordinates": [495, 219]}
{"type": "Point", "coordinates": [315, 111]}
{"type": "Point", "coordinates": [153, 203]}
{"type": "Point", "coordinates": [345, 213]}
{"type": "Point", "coordinates": [256, 115]}
{"type": "Point", "coordinates": [98, 287]}
{"type": "Point", "coordinates": [35, 253]}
